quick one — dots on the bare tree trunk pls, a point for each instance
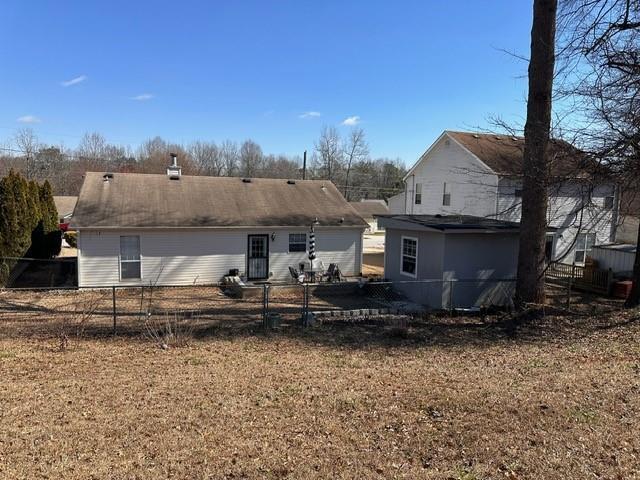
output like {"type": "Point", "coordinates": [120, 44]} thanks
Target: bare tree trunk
{"type": "Point", "coordinates": [533, 223]}
{"type": "Point", "coordinates": [633, 300]}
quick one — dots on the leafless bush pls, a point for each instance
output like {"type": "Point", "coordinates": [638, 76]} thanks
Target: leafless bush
{"type": "Point", "coordinates": [171, 330]}
{"type": "Point", "coordinates": [75, 324]}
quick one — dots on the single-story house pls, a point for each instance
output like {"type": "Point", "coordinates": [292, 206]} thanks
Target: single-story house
{"type": "Point", "coordinates": [451, 261]}
{"type": "Point", "coordinates": [368, 209]}
{"type": "Point", "coordinates": [65, 204]}
{"type": "Point", "coordinates": [141, 229]}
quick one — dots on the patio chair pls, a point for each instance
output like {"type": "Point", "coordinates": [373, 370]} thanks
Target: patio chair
{"type": "Point", "coordinates": [297, 276]}
{"type": "Point", "coordinates": [333, 273]}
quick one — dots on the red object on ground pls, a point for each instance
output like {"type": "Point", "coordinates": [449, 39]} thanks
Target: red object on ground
{"type": "Point", "coordinates": [64, 226]}
{"type": "Point", "coordinates": [622, 289]}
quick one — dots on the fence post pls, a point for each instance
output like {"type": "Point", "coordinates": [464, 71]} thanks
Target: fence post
{"type": "Point", "coordinates": [573, 272]}
{"type": "Point", "coordinates": [265, 306]}
{"type": "Point", "coordinates": [113, 296]}
{"type": "Point", "coordinates": [305, 305]}
{"type": "Point", "coordinates": [450, 296]}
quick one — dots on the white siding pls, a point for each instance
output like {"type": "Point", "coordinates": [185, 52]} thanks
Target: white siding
{"type": "Point", "coordinates": [184, 257]}
{"type": "Point", "coordinates": [473, 187]}
{"type": "Point", "coordinates": [397, 204]}
{"type": "Point", "coordinates": [565, 212]}
{"type": "Point", "coordinates": [475, 190]}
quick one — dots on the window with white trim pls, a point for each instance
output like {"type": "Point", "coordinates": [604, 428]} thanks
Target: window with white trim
{"type": "Point", "coordinates": [297, 242]}
{"type": "Point", "coordinates": [409, 256]}
{"type": "Point", "coordinates": [130, 257]}
{"type": "Point", "coordinates": [584, 243]}
{"type": "Point", "coordinates": [418, 196]}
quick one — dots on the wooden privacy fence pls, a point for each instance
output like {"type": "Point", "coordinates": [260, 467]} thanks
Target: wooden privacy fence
{"type": "Point", "coordinates": [587, 278]}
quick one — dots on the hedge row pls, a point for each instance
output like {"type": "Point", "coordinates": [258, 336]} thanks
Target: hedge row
{"type": "Point", "coordinates": [28, 221]}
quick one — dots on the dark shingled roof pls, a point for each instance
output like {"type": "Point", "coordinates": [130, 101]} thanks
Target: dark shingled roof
{"type": "Point", "coordinates": [65, 204]}
{"type": "Point", "coordinates": [369, 208]}
{"type": "Point", "coordinates": [504, 153]}
{"type": "Point", "coordinates": [455, 222]}
{"type": "Point", "coordinates": [144, 200]}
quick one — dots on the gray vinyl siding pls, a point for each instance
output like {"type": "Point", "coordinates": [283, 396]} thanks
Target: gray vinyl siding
{"type": "Point", "coordinates": [428, 267]}
{"type": "Point", "coordinates": [619, 261]}
{"type": "Point", "coordinates": [480, 262]}
{"type": "Point", "coordinates": [481, 257]}
{"type": "Point", "coordinates": [185, 257]}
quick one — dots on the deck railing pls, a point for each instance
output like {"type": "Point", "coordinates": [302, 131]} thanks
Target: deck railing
{"type": "Point", "coordinates": [585, 277]}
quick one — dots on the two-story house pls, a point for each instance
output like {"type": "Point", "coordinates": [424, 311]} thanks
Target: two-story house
{"type": "Point", "coordinates": [481, 175]}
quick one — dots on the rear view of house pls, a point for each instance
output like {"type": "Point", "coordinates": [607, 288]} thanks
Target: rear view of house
{"type": "Point", "coordinates": [141, 229]}
{"type": "Point", "coordinates": [368, 209]}
{"type": "Point", "coordinates": [466, 173]}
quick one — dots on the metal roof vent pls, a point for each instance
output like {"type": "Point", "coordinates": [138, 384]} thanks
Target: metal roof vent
{"type": "Point", "coordinates": [475, 135]}
{"type": "Point", "coordinates": [291, 182]}
{"type": "Point", "coordinates": [246, 180]}
{"type": "Point", "coordinates": [174, 172]}
{"type": "Point", "coordinates": [107, 176]}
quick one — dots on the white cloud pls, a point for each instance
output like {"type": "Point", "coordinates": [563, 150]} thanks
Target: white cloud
{"type": "Point", "coordinates": [143, 97]}
{"type": "Point", "coordinates": [74, 81]}
{"type": "Point", "coordinates": [29, 119]}
{"type": "Point", "coordinates": [351, 121]}
{"type": "Point", "coordinates": [309, 115]}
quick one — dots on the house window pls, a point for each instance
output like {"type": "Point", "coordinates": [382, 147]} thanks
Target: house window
{"type": "Point", "coordinates": [418, 198]}
{"type": "Point", "coordinates": [129, 257]}
{"type": "Point", "coordinates": [518, 193]}
{"type": "Point", "coordinates": [584, 243]}
{"type": "Point", "coordinates": [446, 196]}
{"type": "Point", "coordinates": [409, 257]}
{"type": "Point", "coordinates": [297, 242]}
{"type": "Point", "coordinates": [608, 202]}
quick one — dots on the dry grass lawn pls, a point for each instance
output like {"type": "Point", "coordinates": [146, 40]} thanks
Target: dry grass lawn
{"type": "Point", "coordinates": [450, 398]}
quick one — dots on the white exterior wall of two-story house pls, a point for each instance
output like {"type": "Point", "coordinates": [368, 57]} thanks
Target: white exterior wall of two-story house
{"type": "Point", "coordinates": [476, 174]}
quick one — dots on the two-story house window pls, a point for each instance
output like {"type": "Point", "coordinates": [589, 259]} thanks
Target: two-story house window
{"type": "Point", "coordinates": [418, 196]}
{"type": "Point", "coordinates": [584, 243]}
{"type": "Point", "coordinates": [608, 202]}
{"type": "Point", "coordinates": [446, 196]}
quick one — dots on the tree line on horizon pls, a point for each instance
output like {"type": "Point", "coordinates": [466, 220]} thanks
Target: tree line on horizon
{"type": "Point", "coordinates": [345, 161]}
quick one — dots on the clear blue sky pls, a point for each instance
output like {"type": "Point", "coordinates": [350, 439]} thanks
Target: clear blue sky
{"type": "Point", "coordinates": [250, 69]}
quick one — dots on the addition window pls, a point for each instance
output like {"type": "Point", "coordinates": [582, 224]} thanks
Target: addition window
{"type": "Point", "coordinates": [130, 257]}
{"type": "Point", "coordinates": [297, 242]}
{"type": "Point", "coordinates": [584, 243]}
{"type": "Point", "coordinates": [409, 257]}
{"type": "Point", "coordinates": [446, 196]}
{"type": "Point", "coordinates": [418, 196]}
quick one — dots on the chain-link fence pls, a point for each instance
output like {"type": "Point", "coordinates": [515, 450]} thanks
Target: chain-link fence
{"type": "Point", "coordinates": [61, 272]}
{"type": "Point", "coordinates": [129, 309]}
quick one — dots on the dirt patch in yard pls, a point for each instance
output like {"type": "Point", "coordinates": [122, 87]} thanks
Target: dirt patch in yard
{"type": "Point", "coordinates": [466, 397]}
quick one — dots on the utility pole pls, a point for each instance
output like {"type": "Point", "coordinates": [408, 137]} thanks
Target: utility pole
{"type": "Point", "coordinates": [304, 165]}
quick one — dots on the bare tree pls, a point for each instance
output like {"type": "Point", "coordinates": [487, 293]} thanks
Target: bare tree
{"type": "Point", "coordinates": [251, 158]}
{"type": "Point", "coordinates": [355, 150]}
{"type": "Point", "coordinates": [602, 44]}
{"type": "Point", "coordinates": [207, 158]}
{"type": "Point", "coordinates": [329, 151]}
{"type": "Point", "coordinates": [533, 224]}
{"type": "Point", "coordinates": [229, 156]}
{"type": "Point", "coordinates": [27, 142]}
